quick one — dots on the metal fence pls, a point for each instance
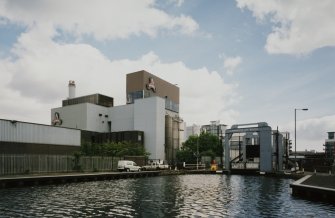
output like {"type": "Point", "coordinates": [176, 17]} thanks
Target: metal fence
{"type": "Point", "coordinates": [12, 164]}
{"type": "Point", "coordinates": [195, 166]}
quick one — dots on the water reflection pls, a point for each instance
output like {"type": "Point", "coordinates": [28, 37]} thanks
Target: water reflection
{"type": "Point", "coordinates": [168, 196]}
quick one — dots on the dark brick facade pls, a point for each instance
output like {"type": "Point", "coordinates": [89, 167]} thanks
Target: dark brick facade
{"type": "Point", "coordinates": [130, 136]}
{"type": "Point", "coordinates": [32, 148]}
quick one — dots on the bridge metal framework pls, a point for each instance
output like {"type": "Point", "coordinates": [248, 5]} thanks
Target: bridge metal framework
{"type": "Point", "coordinates": [256, 150]}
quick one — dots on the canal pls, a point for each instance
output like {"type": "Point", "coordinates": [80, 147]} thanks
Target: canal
{"type": "Point", "coordinates": [164, 196]}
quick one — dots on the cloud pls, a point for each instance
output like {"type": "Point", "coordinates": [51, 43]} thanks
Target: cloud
{"type": "Point", "coordinates": [178, 3]}
{"type": "Point", "coordinates": [204, 94]}
{"type": "Point", "coordinates": [300, 26]}
{"type": "Point", "coordinates": [35, 76]}
{"type": "Point", "coordinates": [103, 19]}
{"type": "Point", "coordinates": [36, 80]}
{"type": "Point", "coordinates": [231, 63]}
{"type": "Point", "coordinates": [311, 133]}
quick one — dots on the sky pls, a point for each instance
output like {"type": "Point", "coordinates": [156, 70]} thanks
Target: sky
{"type": "Point", "coordinates": [237, 61]}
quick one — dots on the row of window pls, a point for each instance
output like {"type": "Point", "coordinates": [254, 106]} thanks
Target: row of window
{"type": "Point", "coordinates": [169, 104]}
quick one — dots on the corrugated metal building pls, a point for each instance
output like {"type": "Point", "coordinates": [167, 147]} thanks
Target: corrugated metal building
{"type": "Point", "coordinates": [20, 137]}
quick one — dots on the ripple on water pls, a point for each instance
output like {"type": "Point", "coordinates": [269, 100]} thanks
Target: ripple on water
{"type": "Point", "coordinates": [169, 196]}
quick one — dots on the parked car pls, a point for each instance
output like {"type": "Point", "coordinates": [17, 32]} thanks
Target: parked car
{"type": "Point", "coordinates": [127, 165]}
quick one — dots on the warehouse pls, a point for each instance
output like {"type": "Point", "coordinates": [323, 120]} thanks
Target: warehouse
{"type": "Point", "coordinates": [30, 138]}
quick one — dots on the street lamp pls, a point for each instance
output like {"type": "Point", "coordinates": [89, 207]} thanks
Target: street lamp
{"type": "Point", "coordinates": [198, 152]}
{"type": "Point", "coordinates": [295, 131]}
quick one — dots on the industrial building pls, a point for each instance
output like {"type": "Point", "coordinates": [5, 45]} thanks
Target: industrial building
{"type": "Point", "coordinates": [330, 145]}
{"type": "Point", "coordinates": [30, 138]}
{"type": "Point", "coordinates": [150, 116]}
{"type": "Point", "coordinates": [319, 161]}
{"type": "Point", "coordinates": [192, 130]}
{"type": "Point", "coordinates": [215, 128]}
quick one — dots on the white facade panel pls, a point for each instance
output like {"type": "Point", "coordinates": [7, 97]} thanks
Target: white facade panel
{"type": "Point", "coordinates": [72, 116]}
{"type": "Point", "coordinates": [122, 118]}
{"type": "Point", "coordinates": [14, 131]}
{"type": "Point", "coordinates": [85, 116]}
{"type": "Point", "coordinates": [97, 118]}
{"type": "Point", "coordinates": [149, 116]}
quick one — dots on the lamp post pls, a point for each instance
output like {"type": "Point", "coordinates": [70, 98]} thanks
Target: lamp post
{"type": "Point", "coordinates": [295, 131]}
{"type": "Point", "coordinates": [198, 152]}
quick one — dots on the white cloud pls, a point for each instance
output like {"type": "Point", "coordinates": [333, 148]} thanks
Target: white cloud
{"type": "Point", "coordinates": [300, 26]}
{"type": "Point", "coordinates": [103, 19]}
{"type": "Point", "coordinates": [230, 64]}
{"type": "Point", "coordinates": [178, 3]}
{"type": "Point", "coordinates": [36, 80]}
{"type": "Point", "coordinates": [311, 133]}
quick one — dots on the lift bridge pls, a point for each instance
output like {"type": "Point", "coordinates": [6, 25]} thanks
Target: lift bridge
{"type": "Point", "coordinates": [250, 147]}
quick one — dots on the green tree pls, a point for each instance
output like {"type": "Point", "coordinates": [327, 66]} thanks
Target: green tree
{"type": "Point", "coordinates": [208, 141]}
{"type": "Point", "coordinates": [186, 155]}
{"type": "Point", "coordinates": [207, 144]}
{"type": "Point", "coordinates": [113, 149]}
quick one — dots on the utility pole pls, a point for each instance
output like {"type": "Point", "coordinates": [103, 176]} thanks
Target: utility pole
{"type": "Point", "coordinates": [295, 131]}
{"type": "Point", "coordinates": [198, 151]}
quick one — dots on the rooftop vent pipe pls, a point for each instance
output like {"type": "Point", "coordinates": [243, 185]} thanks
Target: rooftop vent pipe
{"type": "Point", "coordinates": [72, 89]}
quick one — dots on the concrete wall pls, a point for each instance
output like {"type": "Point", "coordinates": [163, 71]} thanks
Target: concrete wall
{"type": "Point", "coordinates": [122, 118]}
{"type": "Point", "coordinates": [97, 118]}
{"type": "Point", "coordinates": [84, 116]}
{"type": "Point", "coordinates": [72, 116]}
{"type": "Point", "coordinates": [149, 116]}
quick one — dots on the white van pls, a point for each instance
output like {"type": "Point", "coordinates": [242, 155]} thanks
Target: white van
{"type": "Point", "coordinates": [127, 165]}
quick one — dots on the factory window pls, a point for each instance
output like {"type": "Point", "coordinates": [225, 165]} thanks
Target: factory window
{"type": "Point", "coordinates": [148, 93]}
{"type": "Point", "coordinates": [170, 105]}
{"type": "Point", "coordinates": [132, 96]}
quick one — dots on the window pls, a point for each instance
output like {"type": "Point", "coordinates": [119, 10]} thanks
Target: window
{"type": "Point", "coordinates": [132, 96]}
{"type": "Point", "coordinates": [170, 105]}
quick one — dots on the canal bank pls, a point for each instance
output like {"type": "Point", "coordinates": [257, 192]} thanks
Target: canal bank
{"type": "Point", "coordinates": [33, 180]}
{"type": "Point", "coordinates": [46, 179]}
{"type": "Point", "coordinates": [315, 187]}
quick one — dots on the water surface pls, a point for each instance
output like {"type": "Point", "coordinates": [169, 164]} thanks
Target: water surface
{"type": "Point", "coordinates": [165, 196]}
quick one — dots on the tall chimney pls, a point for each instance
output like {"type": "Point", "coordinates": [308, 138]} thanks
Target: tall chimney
{"type": "Point", "coordinates": [72, 89]}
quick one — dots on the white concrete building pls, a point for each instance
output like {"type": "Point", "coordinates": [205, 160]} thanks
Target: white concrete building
{"type": "Point", "coordinates": [192, 130]}
{"type": "Point", "coordinates": [214, 128]}
{"type": "Point", "coordinates": [153, 108]}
